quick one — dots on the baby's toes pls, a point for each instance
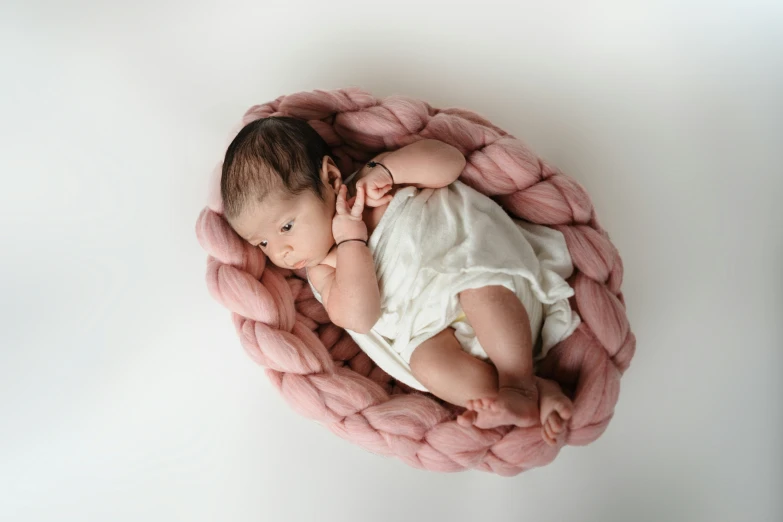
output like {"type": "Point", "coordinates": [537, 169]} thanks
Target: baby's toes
{"type": "Point", "coordinates": [482, 404]}
{"type": "Point", "coordinates": [547, 434]}
{"type": "Point", "coordinates": [467, 419]}
{"type": "Point", "coordinates": [564, 408]}
{"type": "Point", "coordinates": [555, 423]}
{"type": "Point", "coordinates": [477, 404]}
{"type": "Point", "coordinates": [491, 404]}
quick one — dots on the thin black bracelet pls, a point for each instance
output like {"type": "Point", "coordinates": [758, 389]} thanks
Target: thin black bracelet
{"type": "Point", "coordinates": [346, 240]}
{"type": "Point", "coordinates": [373, 164]}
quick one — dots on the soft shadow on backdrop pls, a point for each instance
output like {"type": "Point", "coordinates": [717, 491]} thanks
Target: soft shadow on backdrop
{"type": "Point", "coordinates": [124, 393]}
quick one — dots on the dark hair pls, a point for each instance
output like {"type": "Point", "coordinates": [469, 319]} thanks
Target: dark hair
{"type": "Point", "coordinates": [270, 153]}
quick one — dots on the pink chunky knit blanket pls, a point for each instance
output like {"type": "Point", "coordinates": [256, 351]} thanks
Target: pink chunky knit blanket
{"type": "Point", "coordinates": [320, 371]}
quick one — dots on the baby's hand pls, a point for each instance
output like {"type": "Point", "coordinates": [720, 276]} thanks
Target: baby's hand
{"type": "Point", "coordinates": [348, 224]}
{"type": "Point", "coordinates": [376, 184]}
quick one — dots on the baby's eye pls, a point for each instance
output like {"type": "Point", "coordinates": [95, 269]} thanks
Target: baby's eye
{"type": "Point", "coordinates": [262, 244]}
{"type": "Point", "coordinates": [288, 226]}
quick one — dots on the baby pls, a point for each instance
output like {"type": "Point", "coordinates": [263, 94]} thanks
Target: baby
{"type": "Point", "coordinates": [283, 193]}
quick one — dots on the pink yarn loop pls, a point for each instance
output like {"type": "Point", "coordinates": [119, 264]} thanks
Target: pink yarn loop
{"type": "Point", "coordinates": [322, 373]}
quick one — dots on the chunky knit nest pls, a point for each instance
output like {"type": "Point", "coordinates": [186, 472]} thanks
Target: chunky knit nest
{"type": "Point", "coordinates": [322, 373]}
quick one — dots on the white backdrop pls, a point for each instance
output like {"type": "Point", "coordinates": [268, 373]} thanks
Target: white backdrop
{"type": "Point", "coordinates": [124, 392]}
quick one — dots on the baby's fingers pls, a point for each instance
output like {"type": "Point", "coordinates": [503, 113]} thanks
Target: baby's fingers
{"type": "Point", "coordinates": [342, 208]}
{"type": "Point", "coordinates": [378, 202]}
{"type": "Point", "coordinates": [358, 205]}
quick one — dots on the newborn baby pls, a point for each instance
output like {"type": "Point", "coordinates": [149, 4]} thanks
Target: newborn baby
{"type": "Point", "coordinates": [439, 286]}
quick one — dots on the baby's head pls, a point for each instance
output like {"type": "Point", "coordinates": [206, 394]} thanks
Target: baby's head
{"type": "Point", "coordinates": [279, 187]}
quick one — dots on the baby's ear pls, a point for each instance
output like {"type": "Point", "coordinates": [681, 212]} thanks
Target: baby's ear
{"type": "Point", "coordinates": [330, 174]}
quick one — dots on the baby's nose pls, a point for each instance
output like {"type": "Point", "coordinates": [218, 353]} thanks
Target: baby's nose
{"type": "Point", "coordinates": [285, 251]}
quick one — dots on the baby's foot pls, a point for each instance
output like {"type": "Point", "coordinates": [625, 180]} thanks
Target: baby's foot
{"type": "Point", "coordinates": [556, 410]}
{"type": "Point", "coordinates": [517, 406]}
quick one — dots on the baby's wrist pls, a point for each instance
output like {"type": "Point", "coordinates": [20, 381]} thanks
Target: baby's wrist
{"type": "Point", "coordinates": [358, 240]}
{"type": "Point", "coordinates": [353, 234]}
{"type": "Point", "coordinates": [373, 164]}
{"type": "Point", "coordinates": [352, 230]}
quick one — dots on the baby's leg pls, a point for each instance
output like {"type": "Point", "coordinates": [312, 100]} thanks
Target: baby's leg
{"type": "Point", "coordinates": [502, 326]}
{"type": "Point", "coordinates": [448, 372]}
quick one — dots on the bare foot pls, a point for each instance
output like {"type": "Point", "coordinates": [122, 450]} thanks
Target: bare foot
{"type": "Point", "coordinates": [517, 406]}
{"type": "Point", "coordinates": [556, 410]}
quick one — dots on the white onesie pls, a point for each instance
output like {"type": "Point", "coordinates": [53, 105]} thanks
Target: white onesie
{"type": "Point", "coordinates": [432, 244]}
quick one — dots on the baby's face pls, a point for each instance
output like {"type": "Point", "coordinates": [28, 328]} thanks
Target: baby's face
{"type": "Point", "coordinates": [294, 232]}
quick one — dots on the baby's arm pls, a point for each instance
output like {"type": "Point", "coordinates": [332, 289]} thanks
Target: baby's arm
{"type": "Point", "coordinates": [424, 164]}
{"type": "Point", "coordinates": [350, 291]}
